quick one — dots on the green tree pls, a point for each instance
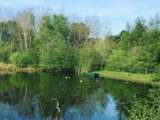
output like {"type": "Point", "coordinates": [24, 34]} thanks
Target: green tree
{"type": "Point", "coordinates": [137, 33]}
{"type": "Point", "coordinates": [26, 21]}
{"type": "Point", "coordinates": [55, 50]}
{"type": "Point", "coordinates": [79, 34]}
{"type": "Point", "coordinates": [58, 56]}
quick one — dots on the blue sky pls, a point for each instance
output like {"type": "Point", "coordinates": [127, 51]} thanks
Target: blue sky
{"type": "Point", "coordinates": [115, 13]}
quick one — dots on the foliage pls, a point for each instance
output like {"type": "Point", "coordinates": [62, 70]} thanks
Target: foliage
{"type": "Point", "coordinates": [23, 59]}
{"type": "Point", "coordinates": [59, 43]}
{"type": "Point", "coordinates": [79, 34]}
{"type": "Point", "coordinates": [157, 73]}
{"type": "Point", "coordinates": [55, 50]}
{"type": "Point", "coordinates": [92, 55]}
{"type": "Point", "coordinates": [147, 109]}
{"type": "Point", "coordinates": [58, 56]}
{"type": "Point", "coordinates": [89, 58]}
{"type": "Point", "coordinates": [5, 52]}
{"type": "Point", "coordinates": [138, 47]}
{"type": "Point", "coordinates": [116, 60]}
{"type": "Point", "coordinates": [53, 28]}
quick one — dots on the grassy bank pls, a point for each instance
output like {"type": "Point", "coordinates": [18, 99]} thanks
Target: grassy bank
{"type": "Point", "coordinates": [9, 69]}
{"type": "Point", "coordinates": [131, 77]}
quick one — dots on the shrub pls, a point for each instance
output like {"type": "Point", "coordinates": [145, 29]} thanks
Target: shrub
{"type": "Point", "coordinates": [157, 73]}
{"type": "Point", "coordinates": [23, 59]}
{"type": "Point", "coordinates": [118, 61]}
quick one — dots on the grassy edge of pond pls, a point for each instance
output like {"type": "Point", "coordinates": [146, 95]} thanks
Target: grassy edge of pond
{"type": "Point", "coordinates": [131, 77]}
{"type": "Point", "coordinates": [9, 69]}
{"type": "Point", "coordinates": [123, 76]}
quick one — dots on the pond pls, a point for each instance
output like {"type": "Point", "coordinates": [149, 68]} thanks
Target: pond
{"type": "Point", "coordinates": [35, 97]}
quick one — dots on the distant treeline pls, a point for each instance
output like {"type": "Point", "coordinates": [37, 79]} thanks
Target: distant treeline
{"type": "Point", "coordinates": [55, 43]}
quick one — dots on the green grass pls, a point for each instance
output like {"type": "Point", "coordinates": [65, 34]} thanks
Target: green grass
{"type": "Point", "coordinates": [132, 77]}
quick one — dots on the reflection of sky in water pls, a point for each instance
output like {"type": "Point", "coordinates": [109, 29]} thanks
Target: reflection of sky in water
{"type": "Point", "coordinates": [8, 112]}
{"type": "Point", "coordinates": [93, 111]}
{"type": "Point", "coordinates": [98, 106]}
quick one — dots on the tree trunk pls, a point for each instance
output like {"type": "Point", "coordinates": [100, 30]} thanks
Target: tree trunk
{"type": "Point", "coordinates": [25, 40]}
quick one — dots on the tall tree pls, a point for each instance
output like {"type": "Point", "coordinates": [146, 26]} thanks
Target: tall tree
{"type": "Point", "coordinates": [137, 33]}
{"type": "Point", "coordinates": [79, 34]}
{"type": "Point", "coordinates": [26, 21]}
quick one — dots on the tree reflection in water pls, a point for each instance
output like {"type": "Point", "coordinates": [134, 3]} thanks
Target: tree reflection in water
{"type": "Point", "coordinates": [34, 97]}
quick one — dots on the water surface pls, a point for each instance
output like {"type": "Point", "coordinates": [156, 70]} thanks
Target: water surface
{"type": "Point", "coordinates": [34, 97]}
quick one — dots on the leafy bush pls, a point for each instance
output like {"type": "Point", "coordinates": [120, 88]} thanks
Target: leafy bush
{"type": "Point", "coordinates": [157, 73]}
{"type": "Point", "coordinates": [23, 59]}
{"type": "Point", "coordinates": [145, 109]}
{"type": "Point", "coordinates": [136, 60]}
{"type": "Point", "coordinates": [118, 61]}
{"type": "Point", "coordinates": [5, 51]}
{"type": "Point", "coordinates": [90, 57]}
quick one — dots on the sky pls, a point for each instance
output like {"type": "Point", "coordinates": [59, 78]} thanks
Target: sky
{"type": "Point", "coordinates": [113, 13]}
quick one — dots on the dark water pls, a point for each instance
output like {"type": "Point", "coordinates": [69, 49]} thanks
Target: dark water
{"type": "Point", "coordinates": [34, 97]}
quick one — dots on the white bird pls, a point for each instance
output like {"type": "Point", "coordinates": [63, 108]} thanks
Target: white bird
{"type": "Point", "coordinates": [67, 77]}
{"type": "Point", "coordinates": [81, 81]}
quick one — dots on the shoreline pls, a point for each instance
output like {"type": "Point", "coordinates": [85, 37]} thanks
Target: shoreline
{"type": "Point", "coordinates": [10, 69]}
{"type": "Point", "coordinates": [129, 77]}
{"type": "Point", "coordinates": [119, 76]}
{"type": "Point", "coordinates": [22, 70]}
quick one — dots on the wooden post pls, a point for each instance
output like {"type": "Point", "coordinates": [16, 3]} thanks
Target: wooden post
{"type": "Point", "coordinates": [58, 115]}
